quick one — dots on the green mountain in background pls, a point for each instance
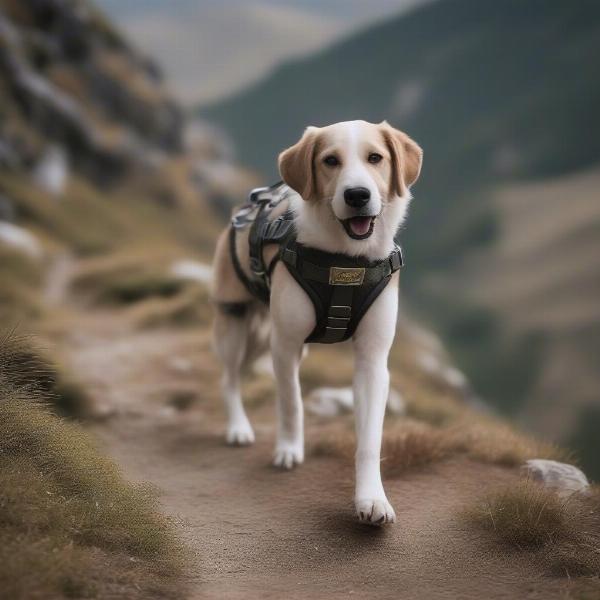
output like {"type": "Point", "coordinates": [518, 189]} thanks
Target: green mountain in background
{"type": "Point", "coordinates": [498, 93]}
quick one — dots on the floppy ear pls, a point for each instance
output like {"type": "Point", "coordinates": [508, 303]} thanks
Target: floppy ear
{"type": "Point", "coordinates": [297, 164]}
{"type": "Point", "coordinates": [406, 156]}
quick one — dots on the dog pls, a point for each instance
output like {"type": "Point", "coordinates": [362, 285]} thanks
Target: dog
{"type": "Point", "coordinates": [349, 191]}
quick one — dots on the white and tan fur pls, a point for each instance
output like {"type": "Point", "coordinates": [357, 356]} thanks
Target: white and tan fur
{"type": "Point", "coordinates": [319, 208]}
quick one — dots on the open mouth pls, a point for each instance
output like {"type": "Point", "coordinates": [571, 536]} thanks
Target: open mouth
{"type": "Point", "coordinates": [359, 228]}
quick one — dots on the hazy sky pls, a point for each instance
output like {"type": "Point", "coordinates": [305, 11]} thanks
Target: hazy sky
{"type": "Point", "coordinates": [209, 48]}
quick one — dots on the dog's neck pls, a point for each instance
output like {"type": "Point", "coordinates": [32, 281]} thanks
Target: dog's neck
{"type": "Point", "coordinates": [317, 227]}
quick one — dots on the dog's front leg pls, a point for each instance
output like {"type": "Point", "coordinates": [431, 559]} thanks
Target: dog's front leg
{"type": "Point", "coordinates": [371, 386]}
{"type": "Point", "coordinates": [371, 389]}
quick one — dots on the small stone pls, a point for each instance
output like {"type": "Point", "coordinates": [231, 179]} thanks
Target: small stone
{"type": "Point", "coordinates": [565, 479]}
{"type": "Point", "coordinates": [396, 404]}
{"type": "Point", "coordinates": [332, 401]}
{"type": "Point", "coordinates": [52, 171]}
{"type": "Point", "coordinates": [192, 270]}
{"type": "Point", "coordinates": [20, 240]}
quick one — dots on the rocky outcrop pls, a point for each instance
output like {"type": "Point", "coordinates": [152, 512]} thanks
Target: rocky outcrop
{"type": "Point", "coordinates": [68, 77]}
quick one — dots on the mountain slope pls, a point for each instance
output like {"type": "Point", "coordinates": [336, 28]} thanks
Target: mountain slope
{"type": "Point", "coordinates": [495, 92]}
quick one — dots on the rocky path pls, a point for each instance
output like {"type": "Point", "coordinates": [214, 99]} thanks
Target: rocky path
{"type": "Point", "coordinates": [260, 533]}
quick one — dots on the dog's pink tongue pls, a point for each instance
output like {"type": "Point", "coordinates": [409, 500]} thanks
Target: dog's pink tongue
{"type": "Point", "coordinates": [360, 225]}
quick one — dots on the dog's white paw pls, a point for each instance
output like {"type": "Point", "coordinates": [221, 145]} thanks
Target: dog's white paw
{"type": "Point", "coordinates": [377, 511]}
{"type": "Point", "coordinates": [240, 433]}
{"type": "Point", "coordinates": [288, 455]}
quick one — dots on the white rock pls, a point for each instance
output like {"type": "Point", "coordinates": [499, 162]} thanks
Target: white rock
{"type": "Point", "coordinates": [20, 239]}
{"type": "Point", "coordinates": [181, 364]}
{"type": "Point", "coordinates": [332, 401]}
{"type": "Point", "coordinates": [263, 365]}
{"type": "Point", "coordinates": [424, 338]}
{"type": "Point", "coordinates": [192, 269]}
{"type": "Point", "coordinates": [396, 404]}
{"type": "Point", "coordinates": [454, 377]}
{"type": "Point", "coordinates": [429, 363]}
{"type": "Point", "coordinates": [565, 479]}
{"type": "Point", "coordinates": [52, 171]}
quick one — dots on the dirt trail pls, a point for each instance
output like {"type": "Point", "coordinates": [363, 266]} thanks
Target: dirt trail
{"type": "Point", "coordinates": [261, 533]}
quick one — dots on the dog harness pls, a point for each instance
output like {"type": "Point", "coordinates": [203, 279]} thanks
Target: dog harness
{"type": "Point", "coordinates": [341, 287]}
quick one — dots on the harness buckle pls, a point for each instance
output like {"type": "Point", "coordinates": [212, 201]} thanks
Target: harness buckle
{"type": "Point", "coordinates": [396, 259]}
{"type": "Point", "coordinates": [256, 267]}
{"type": "Point", "coordinates": [346, 276]}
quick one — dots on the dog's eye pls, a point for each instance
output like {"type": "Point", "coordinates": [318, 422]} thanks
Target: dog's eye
{"type": "Point", "coordinates": [331, 161]}
{"type": "Point", "coordinates": [374, 158]}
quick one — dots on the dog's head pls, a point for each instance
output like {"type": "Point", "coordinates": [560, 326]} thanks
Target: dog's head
{"type": "Point", "coordinates": [355, 170]}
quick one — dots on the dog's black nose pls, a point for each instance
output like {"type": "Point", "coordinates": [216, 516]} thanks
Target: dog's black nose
{"type": "Point", "coordinates": [356, 197]}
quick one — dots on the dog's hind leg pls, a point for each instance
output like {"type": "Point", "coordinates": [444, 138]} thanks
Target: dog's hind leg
{"type": "Point", "coordinates": [231, 335]}
{"type": "Point", "coordinates": [293, 319]}
{"type": "Point", "coordinates": [287, 354]}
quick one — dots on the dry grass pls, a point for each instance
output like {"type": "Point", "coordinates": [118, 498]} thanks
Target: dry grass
{"type": "Point", "coordinates": [70, 525]}
{"type": "Point", "coordinates": [405, 446]}
{"type": "Point", "coordinates": [409, 447]}
{"type": "Point", "coordinates": [329, 365]}
{"type": "Point", "coordinates": [81, 220]}
{"type": "Point", "coordinates": [525, 515]}
{"type": "Point", "coordinates": [409, 444]}
{"type": "Point", "coordinates": [493, 441]}
{"type": "Point", "coordinates": [30, 368]}
{"type": "Point", "coordinates": [564, 533]}
{"type": "Point", "coordinates": [188, 307]}
{"type": "Point", "coordinates": [142, 283]}
{"type": "Point", "coordinates": [21, 279]}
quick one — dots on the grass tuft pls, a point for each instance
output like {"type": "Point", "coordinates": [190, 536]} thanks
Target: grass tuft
{"type": "Point", "coordinates": [409, 444]}
{"type": "Point", "coordinates": [564, 533]}
{"type": "Point", "coordinates": [493, 441]}
{"type": "Point", "coordinates": [21, 279]}
{"type": "Point", "coordinates": [29, 369]}
{"type": "Point", "coordinates": [405, 446]}
{"type": "Point", "coordinates": [526, 515]}
{"type": "Point", "coordinates": [414, 446]}
{"type": "Point", "coordinates": [70, 525]}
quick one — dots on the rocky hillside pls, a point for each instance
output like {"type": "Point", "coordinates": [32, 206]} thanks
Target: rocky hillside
{"type": "Point", "coordinates": [501, 95]}
{"type": "Point", "coordinates": [68, 77]}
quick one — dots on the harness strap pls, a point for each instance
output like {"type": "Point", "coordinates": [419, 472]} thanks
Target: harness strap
{"type": "Point", "coordinates": [339, 314]}
{"type": "Point", "coordinates": [325, 275]}
{"type": "Point", "coordinates": [262, 232]}
{"type": "Point", "coordinates": [253, 287]}
{"type": "Point", "coordinates": [337, 321]}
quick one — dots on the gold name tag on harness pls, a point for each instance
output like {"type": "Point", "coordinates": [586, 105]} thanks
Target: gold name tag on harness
{"type": "Point", "coordinates": [350, 276]}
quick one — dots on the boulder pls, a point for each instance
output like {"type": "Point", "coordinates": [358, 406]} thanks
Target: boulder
{"type": "Point", "coordinates": [564, 478]}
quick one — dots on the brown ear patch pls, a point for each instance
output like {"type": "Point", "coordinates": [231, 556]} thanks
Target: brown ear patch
{"type": "Point", "coordinates": [406, 157]}
{"type": "Point", "coordinates": [297, 164]}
